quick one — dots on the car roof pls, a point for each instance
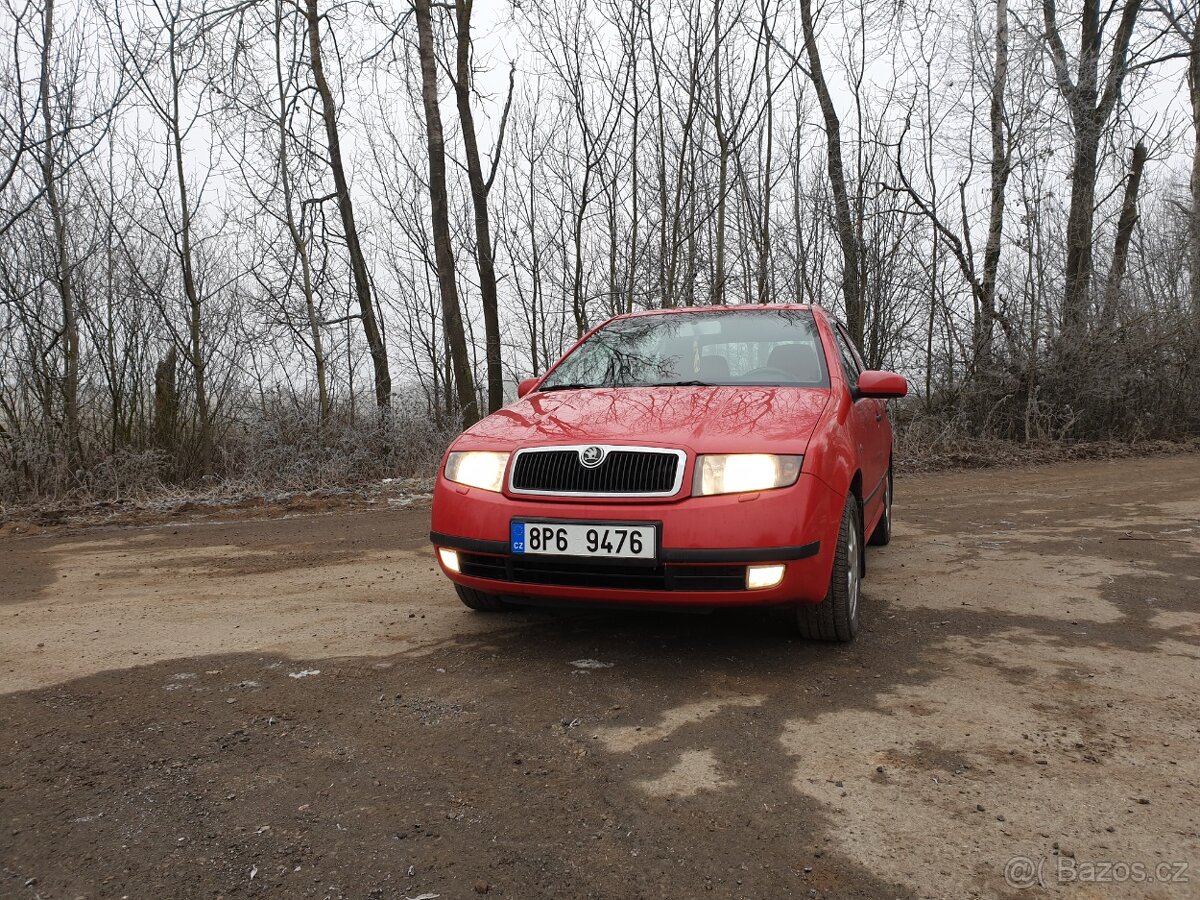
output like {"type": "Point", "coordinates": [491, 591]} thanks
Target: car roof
{"type": "Point", "coordinates": [740, 307]}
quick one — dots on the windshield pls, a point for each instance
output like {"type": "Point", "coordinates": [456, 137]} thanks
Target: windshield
{"type": "Point", "coordinates": [776, 347]}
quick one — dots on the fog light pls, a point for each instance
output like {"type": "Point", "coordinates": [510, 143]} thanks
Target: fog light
{"type": "Point", "coordinates": [759, 577]}
{"type": "Point", "coordinates": [450, 558]}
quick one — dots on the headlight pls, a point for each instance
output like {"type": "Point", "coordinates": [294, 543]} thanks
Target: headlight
{"type": "Point", "coordinates": [738, 473]}
{"type": "Point", "coordinates": [482, 469]}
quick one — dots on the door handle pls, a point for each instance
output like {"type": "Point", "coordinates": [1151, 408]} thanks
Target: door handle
{"type": "Point", "coordinates": [878, 415]}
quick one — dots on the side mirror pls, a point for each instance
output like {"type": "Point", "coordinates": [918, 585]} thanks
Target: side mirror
{"type": "Point", "coordinates": [526, 385]}
{"type": "Point", "coordinates": [883, 385]}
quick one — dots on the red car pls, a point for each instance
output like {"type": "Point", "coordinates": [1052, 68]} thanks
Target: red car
{"type": "Point", "coordinates": [723, 456]}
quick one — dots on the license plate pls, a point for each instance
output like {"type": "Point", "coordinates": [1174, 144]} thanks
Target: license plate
{"type": "Point", "coordinates": [603, 539]}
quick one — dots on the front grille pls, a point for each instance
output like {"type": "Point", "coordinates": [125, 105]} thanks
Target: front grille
{"type": "Point", "coordinates": [625, 472]}
{"type": "Point", "coordinates": [603, 574]}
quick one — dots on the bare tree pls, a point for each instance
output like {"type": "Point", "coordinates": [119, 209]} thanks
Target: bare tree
{"type": "Point", "coordinates": [982, 279]}
{"type": "Point", "coordinates": [166, 39]}
{"type": "Point", "coordinates": [188, 303]}
{"type": "Point", "coordinates": [1129, 214]}
{"type": "Point", "coordinates": [847, 234]}
{"type": "Point", "coordinates": [480, 189]}
{"type": "Point", "coordinates": [17, 116]}
{"type": "Point", "coordinates": [685, 68]}
{"type": "Point", "coordinates": [464, 379]}
{"type": "Point", "coordinates": [297, 233]}
{"type": "Point", "coordinates": [573, 50]}
{"type": "Point", "coordinates": [729, 111]}
{"type": "Point", "coordinates": [999, 170]}
{"type": "Point", "coordinates": [63, 262]}
{"type": "Point", "coordinates": [358, 262]}
{"type": "Point", "coordinates": [1090, 103]}
{"type": "Point", "coordinates": [1183, 20]}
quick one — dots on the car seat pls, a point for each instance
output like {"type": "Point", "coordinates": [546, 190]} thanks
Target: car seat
{"type": "Point", "coordinates": [714, 369]}
{"type": "Point", "coordinates": [799, 360]}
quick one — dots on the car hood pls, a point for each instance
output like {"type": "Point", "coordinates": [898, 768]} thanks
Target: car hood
{"type": "Point", "coordinates": [722, 419]}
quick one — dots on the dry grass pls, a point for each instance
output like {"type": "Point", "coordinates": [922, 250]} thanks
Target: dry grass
{"type": "Point", "coordinates": [256, 497]}
{"type": "Point", "coordinates": [957, 452]}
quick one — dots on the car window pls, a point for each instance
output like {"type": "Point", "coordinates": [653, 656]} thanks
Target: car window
{"type": "Point", "coordinates": [749, 346]}
{"type": "Point", "coordinates": [850, 364]}
{"type": "Point", "coordinates": [858, 357]}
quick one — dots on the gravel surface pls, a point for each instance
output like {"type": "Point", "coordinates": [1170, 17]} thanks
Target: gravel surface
{"type": "Point", "coordinates": [300, 706]}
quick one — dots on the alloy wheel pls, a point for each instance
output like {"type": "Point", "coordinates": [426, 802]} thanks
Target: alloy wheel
{"type": "Point", "coordinates": [853, 570]}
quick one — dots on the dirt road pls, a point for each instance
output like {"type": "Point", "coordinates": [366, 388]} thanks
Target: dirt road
{"type": "Point", "coordinates": [301, 707]}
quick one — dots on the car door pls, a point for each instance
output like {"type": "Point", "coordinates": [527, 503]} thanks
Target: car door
{"type": "Point", "coordinates": [867, 424]}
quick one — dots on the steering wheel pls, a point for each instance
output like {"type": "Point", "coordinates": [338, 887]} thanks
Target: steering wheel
{"type": "Point", "coordinates": [769, 372]}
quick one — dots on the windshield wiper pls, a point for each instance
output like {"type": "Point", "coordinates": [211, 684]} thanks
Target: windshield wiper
{"type": "Point", "coordinates": [578, 385]}
{"type": "Point", "coordinates": [568, 386]}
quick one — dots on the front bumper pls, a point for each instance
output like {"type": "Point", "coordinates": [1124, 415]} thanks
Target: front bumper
{"type": "Point", "coordinates": [706, 545]}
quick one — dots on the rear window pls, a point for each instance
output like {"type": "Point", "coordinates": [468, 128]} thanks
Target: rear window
{"type": "Point", "coordinates": [776, 347]}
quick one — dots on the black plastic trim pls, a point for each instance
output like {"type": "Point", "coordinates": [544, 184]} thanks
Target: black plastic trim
{"type": "Point", "coordinates": [742, 554]}
{"type": "Point", "coordinates": [875, 490]}
{"type": "Point", "coordinates": [475, 545]}
{"type": "Point", "coordinates": [723, 555]}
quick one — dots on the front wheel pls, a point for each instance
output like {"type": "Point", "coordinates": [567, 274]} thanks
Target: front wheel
{"type": "Point", "coordinates": [836, 617]}
{"type": "Point", "coordinates": [481, 601]}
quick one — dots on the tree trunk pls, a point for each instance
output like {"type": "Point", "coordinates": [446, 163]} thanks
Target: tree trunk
{"type": "Point", "coordinates": [1194, 92]}
{"type": "Point", "coordinates": [847, 238]}
{"type": "Point", "coordinates": [632, 257]}
{"type": "Point", "coordinates": [190, 290]}
{"type": "Point", "coordinates": [718, 294]}
{"type": "Point", "coordinates": [484, 256]}
{"type": "Point", "coordinates": [358, 263]}
{"type": "Point", "coordinates": [439, 204]}
{"type": "Point", "coordinates": [929, 325]}
{"type": "Point", "coordinates": [985, 322]}
{"type": "Point", "coordinates": [166, 403]}
{"type": "Point", "coordinates": [578, 307]}
{"type": "Point", "coordinates": [70, 334]}
{"type": "Point", "coordinates": [1116, 272]}
{"type": "Point", "coordinates": [613, 245]}
{"type": "Point", "coordinates": [1080, 226]}
{"type": "Point", "coordinates": [535, 257]}
{"type": "Point", "coordinates": [689, 278]}
{"type": "Point", "coordinates": [764, 242]}
{"type": "Point", "coordinates": [664, 264]}
{"type": "Point", "coordinates": [722, 193]}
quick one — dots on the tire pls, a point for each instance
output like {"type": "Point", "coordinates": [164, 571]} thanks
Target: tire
{"type": "Point", "coordinates": [480, 601]}
{"type": "Point", "coordinates": [836, 617]}
{"type": "Point", "coordinates": [882, 535]}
